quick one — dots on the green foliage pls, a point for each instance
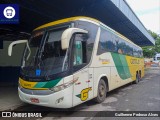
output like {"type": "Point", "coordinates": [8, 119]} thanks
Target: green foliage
{"type": "Point", "coordinates": [150, 51]}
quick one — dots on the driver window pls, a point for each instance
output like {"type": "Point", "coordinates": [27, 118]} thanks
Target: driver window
{"type": "Point", "coordinates": [79, 50]}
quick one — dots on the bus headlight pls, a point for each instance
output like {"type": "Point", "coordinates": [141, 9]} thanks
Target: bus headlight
{"type": "Point", "coordinates": [63, 86]}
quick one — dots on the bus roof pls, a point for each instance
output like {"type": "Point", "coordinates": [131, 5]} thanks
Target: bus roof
{"type": "Point", "coordinates": [66, 20]}
{"type": "Point", "coordinates": [83, 18]}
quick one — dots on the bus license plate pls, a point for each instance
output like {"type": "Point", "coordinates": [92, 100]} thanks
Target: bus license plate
{"type": "Point", "coordinates": [34, 100]}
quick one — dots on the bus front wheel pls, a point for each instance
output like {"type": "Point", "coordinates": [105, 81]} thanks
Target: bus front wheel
{"type": "Point", "coordinates": [102, 90]}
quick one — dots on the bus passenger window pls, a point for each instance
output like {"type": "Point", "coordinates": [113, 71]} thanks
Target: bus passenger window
{"type": "Point", "coordinates": [79, 50]}
{"type": "Point", "coordinates": [120, 51]}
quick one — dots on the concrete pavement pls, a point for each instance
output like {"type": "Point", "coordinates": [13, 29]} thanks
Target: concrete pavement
{"type": "Point", "coordinates": [9, 99]}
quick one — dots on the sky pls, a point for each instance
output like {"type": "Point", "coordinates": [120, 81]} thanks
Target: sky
{"type": "Point", "coordinates": [148, 11]}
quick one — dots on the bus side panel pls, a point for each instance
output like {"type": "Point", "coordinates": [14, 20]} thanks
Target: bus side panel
{"type": "Point", "coordinates": [135, 65]}
{"type": "Point", "coordinates": [142, 67]}
{"type": "Point", "coordinates": [121, 73]}
{"type": "Point", "coordinates": [102, 68]}
{"type": "Point", "coordinates": [91, 82]}
{"type": "Point", "coordinates": [81, 89]}
{"type": "Point", "coordinates": [132, 67]}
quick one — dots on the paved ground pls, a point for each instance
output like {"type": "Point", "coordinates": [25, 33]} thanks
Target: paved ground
{"type": "Point", "coordinates": [9, 98]}
{"type": "Point", "coordinates": [144, 96]}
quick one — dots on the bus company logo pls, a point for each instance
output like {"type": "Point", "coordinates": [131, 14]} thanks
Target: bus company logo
{"type": "Point", "coordinates": [84, 94]}
{"type": "Point", "coordinates": [9, 14]}
{"type": "Point", "coordinates": [135, 61]}
{"type": "Point", "coordinates": [27, 85]}
{"type": "Point", "coordinates": [104, 61]}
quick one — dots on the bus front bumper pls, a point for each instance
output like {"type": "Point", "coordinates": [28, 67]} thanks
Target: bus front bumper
{"type": "Point", "coordinates": [61, 99]}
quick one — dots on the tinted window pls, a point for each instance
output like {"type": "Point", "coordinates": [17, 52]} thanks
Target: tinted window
{"type": "Point", "coordinates": [109, 42]}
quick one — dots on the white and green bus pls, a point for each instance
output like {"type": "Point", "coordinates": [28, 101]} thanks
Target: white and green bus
{"type": "Point", "coordinates": [73, 60]}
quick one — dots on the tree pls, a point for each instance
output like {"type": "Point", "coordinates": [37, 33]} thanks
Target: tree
{"type": "Point", "coordinates": [157, 44]}
{"type": "Point", "coordinates": [150, 51]}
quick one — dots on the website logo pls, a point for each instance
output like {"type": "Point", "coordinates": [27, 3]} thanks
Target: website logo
{"type": "Point", "coordinates": [9, 14]}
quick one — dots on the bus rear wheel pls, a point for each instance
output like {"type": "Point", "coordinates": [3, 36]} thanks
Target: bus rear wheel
{"type": "Point", "coordinates": [137, 79]}
{"type": "Point", "coordinates": [102, 90]}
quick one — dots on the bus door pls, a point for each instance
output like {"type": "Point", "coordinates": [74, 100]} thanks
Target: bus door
{"type": "Point", "coordinates": [81, 89]}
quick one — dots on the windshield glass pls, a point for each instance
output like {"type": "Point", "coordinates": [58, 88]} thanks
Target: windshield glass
{"type": "Point", "coordinates": [46, 57]}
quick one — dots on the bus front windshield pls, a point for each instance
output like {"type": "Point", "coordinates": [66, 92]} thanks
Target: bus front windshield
{"type": "Point", "coordinates": [46, 56]}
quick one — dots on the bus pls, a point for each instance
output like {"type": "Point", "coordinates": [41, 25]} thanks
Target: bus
{"type": "Point", "coordinates": [73, 60]}
{"type": "Point", "coordinates": [156, 58]}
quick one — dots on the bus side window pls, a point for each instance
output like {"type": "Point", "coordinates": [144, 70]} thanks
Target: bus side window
{"type": "Point", "coordinates": [79, 50]}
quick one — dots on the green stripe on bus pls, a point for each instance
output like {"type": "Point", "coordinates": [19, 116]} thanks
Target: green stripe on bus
{"type": "Point", "coordinates": [125, 65]}
{"type": "Point", "coordinates": [52, 83]}
{"type": "Point", "coordinates": [121, 65]}
{"type": "Point", "coordinates": [40, 84]}
{"type": "Point", "coordinates": [79, 95]}
{"type": "Point", "coordinates": [49, 84]}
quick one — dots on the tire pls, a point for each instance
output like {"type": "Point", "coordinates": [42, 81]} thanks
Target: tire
{"type": "Point", "coordinates": [137, 79]}
{"type": "Point", "coordinates": [102, 90]}
{"type": "Point", "coordinates": [140, 76]}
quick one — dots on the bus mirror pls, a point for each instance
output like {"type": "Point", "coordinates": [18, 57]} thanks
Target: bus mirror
{"type": "Point", "coordinates": [17, 42]}
{"type": "Point", "coordinates": [67, 34]}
